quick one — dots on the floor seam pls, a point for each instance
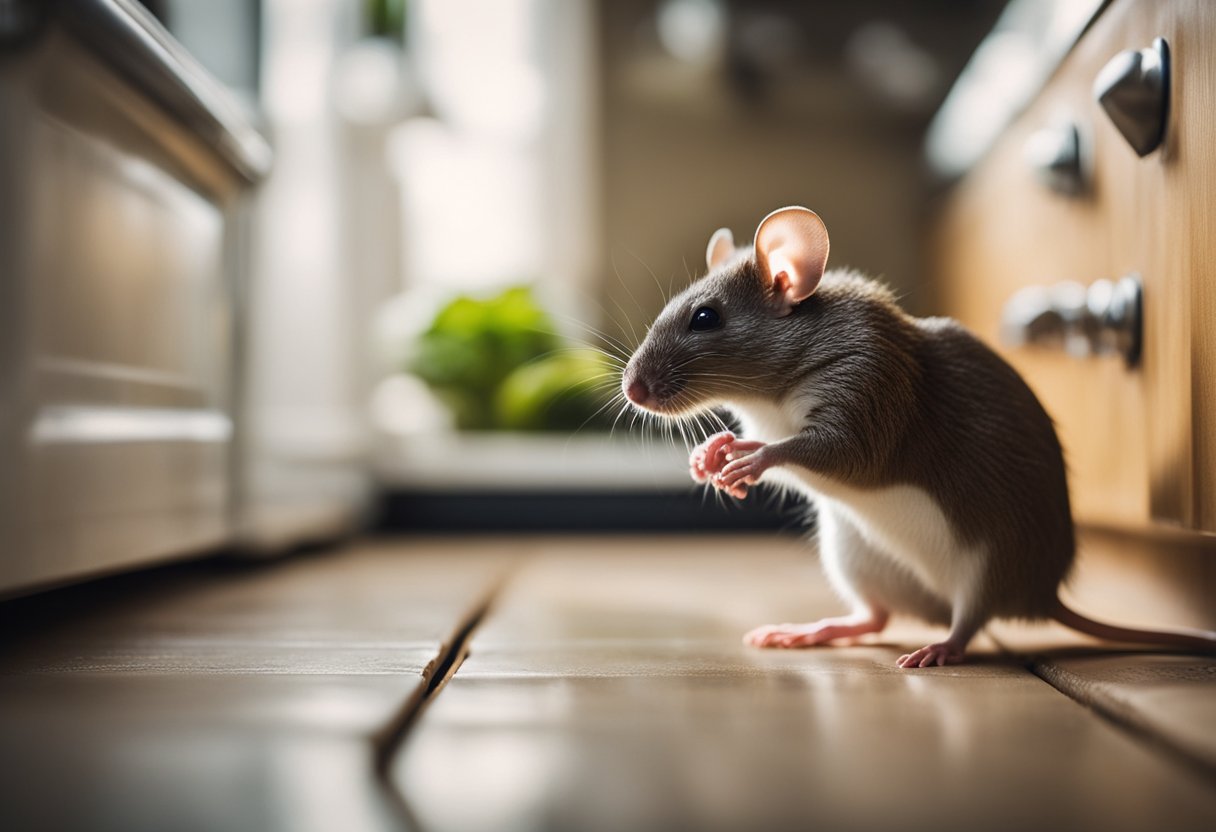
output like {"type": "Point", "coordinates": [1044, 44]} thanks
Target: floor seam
{"type": "Point", "coordinates": [1112, 711]}
{"type": "Point", "coordinates": [1121, 715]}
{"type": "Point", "coordinates": [388, 739]}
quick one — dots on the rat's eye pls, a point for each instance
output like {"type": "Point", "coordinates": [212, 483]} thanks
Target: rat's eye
{"type": "Point", "coordinates": [705, 319]}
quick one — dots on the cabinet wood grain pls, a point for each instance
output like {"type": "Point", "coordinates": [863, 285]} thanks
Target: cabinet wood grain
{"type": "Point", "coordinates": [1139, 441]}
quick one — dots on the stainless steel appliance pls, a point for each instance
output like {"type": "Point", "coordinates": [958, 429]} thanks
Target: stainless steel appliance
{"type": "Point", "coordinates": [124, 175]}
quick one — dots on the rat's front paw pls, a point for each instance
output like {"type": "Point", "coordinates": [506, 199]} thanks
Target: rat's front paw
{"type": "Point", "coordinates": [708, 458]}
{"type": "Point", "coordinates": [748, 461]}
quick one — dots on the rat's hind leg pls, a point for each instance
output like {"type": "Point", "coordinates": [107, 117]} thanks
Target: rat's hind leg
{"type": "Point", "coordinates": [854, 569]}
{"type": "Point", "coordinates": [965, 623]}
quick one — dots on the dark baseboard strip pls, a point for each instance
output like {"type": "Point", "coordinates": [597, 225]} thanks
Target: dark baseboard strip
{"type": "Point", "coordinates": [602, 512]}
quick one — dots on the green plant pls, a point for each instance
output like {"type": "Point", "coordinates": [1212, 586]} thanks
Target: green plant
{"type": "Point", "coordinates": [557, 392]}
{"type": "Point", "coordinates": [497, 364]}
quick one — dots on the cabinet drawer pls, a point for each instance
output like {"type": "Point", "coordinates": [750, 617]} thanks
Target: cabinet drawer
{"type": "Point", "coordinates": [1139, 439]}
{"type": "Point", "coordinates": [121, 255]}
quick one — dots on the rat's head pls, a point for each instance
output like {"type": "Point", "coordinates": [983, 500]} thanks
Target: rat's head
{"type": "Point", "coordinates": [708, 343]}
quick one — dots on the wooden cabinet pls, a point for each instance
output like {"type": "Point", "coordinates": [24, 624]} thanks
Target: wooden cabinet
{"type": "Point", "coordinates": [1141, 440]}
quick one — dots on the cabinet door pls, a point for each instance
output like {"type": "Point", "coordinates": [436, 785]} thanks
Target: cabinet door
{"type": "Point", "coordinates": [1139, 440]}
{"type": "Point", "coordinates": [118, 309]}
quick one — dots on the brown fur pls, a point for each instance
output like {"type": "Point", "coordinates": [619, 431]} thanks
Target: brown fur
{"type": "Point", "coordinates": [899, 400]}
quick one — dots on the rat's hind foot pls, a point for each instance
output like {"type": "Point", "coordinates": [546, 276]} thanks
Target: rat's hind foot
{"type": "Point", "coordinates": [933, 655]}
{"type": "Point", "coordinates": [815, 633]}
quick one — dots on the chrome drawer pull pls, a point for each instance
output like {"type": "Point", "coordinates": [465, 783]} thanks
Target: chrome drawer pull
{"type": "Point", "coordinates": [1134, 91]}
{"type": "Point", "coordinates": [1054, 154]}
{"type": "Point", "coordinates": [1102, 318]}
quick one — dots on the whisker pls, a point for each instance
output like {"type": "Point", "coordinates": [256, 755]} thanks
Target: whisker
{"type": "Point", "coordinates": [605, 406]}
{"type": "Point", "coordinates": [628, 319]}
{"type": "Point", "coordinates": [664, 297]}
{"type": "Point", "coordinates": [595, 331]}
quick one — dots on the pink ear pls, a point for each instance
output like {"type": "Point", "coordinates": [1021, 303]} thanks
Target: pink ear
{"type": "Point", "coordinates": [792, 252]}
{"type": "Point", "coordinates": [720, 249]}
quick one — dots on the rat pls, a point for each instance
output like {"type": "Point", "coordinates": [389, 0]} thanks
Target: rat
{"type": "Point", "coordinates": [937, 476]}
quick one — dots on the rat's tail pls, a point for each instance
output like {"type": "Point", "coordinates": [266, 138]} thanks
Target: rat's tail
{"type": "Point", "coordinates": [1200, 641]}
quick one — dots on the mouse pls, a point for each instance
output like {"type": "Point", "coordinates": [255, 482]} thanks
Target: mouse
{"type": "Point", "coordinates": [935, 474]}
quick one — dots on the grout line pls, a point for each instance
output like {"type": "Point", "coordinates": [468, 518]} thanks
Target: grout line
{"type": "Point", "coordinates": [1125, 717]}
{"type": "Point", "coordinates": [389, 738]}
{"type": "Point", "coordinates": [1108, 708]}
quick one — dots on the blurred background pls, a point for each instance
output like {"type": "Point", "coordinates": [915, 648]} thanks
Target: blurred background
{"type": "Point", "coordinates": [417, 239]}
{"type": "Point", "coordinates": [465, 193]}
{"type": "Point", "coordinates": [352, 279]}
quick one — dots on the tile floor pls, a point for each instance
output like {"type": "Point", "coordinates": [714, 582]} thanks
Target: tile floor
{"type": "Point", "coordinates": [567, 683]}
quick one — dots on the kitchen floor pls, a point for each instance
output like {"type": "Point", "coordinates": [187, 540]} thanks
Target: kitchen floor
{"type": "Point", "coordinates": [566, 683]}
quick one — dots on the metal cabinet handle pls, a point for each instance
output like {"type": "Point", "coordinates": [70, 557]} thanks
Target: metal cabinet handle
{"type": "Point", "coordinates": [1103, 318]}
{"type": "Point", "coordinates": [1134, 91]}
{"type": "Point", "coordinates": [1054, 155]}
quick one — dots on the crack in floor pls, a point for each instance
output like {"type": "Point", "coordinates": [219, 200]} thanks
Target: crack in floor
{"type": "Point", "coordinates": [387, 741]}
{"type": "Point", "coordinates": [1124, 718]}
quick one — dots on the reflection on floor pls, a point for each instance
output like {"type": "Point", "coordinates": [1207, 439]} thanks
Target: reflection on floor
{"type": "Point", "coordinates": [606, 687]}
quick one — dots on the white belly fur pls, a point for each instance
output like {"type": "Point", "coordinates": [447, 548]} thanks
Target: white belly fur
{"type": "Point", "coordinates": [902, 520]}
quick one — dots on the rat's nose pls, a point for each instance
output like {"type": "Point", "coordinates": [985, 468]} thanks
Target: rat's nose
{"type": "Point", "coordinates": [637, 391]}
